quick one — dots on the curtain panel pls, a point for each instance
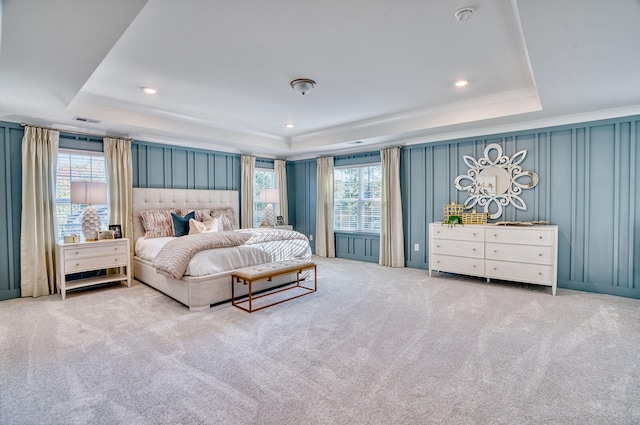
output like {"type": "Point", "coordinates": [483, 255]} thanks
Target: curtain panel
{"type": "Point", "coordinates": [117, 156]}
{"type": "Point", "coordinates": [325, 239]}
{"type": "Point", "coordinates": [391, 231]}
{"type": "Point", "coordinates": [280, 170]}
{"type": "Point", "coordinates": [248, 166]}
{"type": "Point", "coordinates": [38, 221]}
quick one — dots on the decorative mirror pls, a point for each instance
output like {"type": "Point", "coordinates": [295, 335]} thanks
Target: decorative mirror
{"type": "Point", "coordinates": [494, 183]}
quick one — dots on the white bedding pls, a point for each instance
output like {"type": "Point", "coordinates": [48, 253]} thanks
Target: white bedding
{"type": "Point", "coordinates": [223, 259]}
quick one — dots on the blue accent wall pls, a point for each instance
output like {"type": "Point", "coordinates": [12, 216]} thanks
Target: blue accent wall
{"type": "Point", "coordinates": [302, 196]}
{"type": "Point", "coordinates": [589, 175]}
{"type": "Point", "coordinates": [165, 166]}
{"type": "Point", "coordinates": [10, 209]}
{"type": "Point", "coordinates": [588, 186]}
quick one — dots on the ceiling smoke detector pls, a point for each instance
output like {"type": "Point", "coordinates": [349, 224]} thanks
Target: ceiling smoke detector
{"type": "Point", "coordinates": [464, 14]}
{"type": "Point", "coordinates": [302, 85]}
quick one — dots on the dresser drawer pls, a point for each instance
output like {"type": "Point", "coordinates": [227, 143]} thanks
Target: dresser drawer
{"type": "Point", "coordinates": [465, 233]}
{"type": "Point", "coordinates": [445, 263]}
{"type": "Point", "coordinates": [518, 272]}
{"type": "Point", "coordinates": [458, 248]}
{"type": "Point", "coordinates": [99, 250]}
{"type": "Point", "coordinates": [95, 263]}
{"type": "Point", "coordinates": [530, 236]}
{"type": "Point", "coordinates": [521, 253]}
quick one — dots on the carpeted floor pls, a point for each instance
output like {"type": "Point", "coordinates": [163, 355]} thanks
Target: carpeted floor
{"type": "Point", "coordinates": [375, 345]}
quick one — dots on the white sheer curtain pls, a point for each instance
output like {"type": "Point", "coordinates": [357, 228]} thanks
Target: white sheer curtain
{"type": "Point", "coordinates": [38, 235]}
{"type": "Point", "coordinates": [280, 171]}
{"type": "Point", "coordinates": [117, 156]}
{"type": "Point", "coordinates": [391, 232]}
{"type": "Point", "coordinates": [325, 243]}
{"type": "Point", "coordinates": [248, 166]}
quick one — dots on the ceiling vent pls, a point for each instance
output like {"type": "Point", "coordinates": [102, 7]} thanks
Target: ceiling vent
{"type": "Point", "coordinates": [464, 14]}
{"type": "Point", "coordinates": [89, 120]}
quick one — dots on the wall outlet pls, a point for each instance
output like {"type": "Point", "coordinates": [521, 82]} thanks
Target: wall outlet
{"type": "Point", "coordinates": [416, 247]}
{"type": "Point", "coordinates": [310, 237]}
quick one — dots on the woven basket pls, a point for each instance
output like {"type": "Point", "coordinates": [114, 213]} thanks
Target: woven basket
{"type": "Point", "coordinates": [475, 218]}
{"type": "Point", "coordinates": [452, 209]}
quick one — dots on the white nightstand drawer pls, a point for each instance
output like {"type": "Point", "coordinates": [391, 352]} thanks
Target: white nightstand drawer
{"type": "Point", "coordinates": [466, 233]}
{"type": "Point", "coordinates": [529, 236]}
{"type": "Point", "coordinates": [99, 249]}
{"type": "Point", "coordinates": [94, 263]}
{"type": "Point", "coordinates": [518, 272]}
{"type": "Point", "coordinates": [459, 248]}
{"type": "Point", "coordinates": [521, 253]}
{"type": "Point", "coordinates": [445, 263]}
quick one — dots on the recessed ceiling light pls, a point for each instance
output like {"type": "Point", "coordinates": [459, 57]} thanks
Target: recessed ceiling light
{"type": "Point", "coordinates": [462, 83]}
{"type": "Point", "coordinates": [289, 125]}
{"type": "Point", "coordinates": [149, 90]}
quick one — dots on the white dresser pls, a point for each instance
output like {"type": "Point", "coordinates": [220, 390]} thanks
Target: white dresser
{"type": "Point", "coordinates": [516, 253]}
{"type": "Point", "coordinates": [88, 256]}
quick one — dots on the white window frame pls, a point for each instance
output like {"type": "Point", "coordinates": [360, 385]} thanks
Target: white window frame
{"type": "Point", "coordinates": [258, 206]}
{"type": "Point", "coordinates": [63, 194]}
{"type": "Point", "coordinates": [361, 200]}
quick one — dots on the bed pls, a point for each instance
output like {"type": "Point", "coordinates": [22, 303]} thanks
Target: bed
{"type": "Point", "coordinates": [207, 280]}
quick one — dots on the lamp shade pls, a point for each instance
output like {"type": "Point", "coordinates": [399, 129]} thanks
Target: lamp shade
{"type": "Point", "coordinates": [269, 195]}
{"type": "Point", "coordinates": [88, 193]}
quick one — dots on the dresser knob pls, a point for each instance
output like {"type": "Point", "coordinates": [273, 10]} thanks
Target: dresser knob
{"type": "Point", "coordinates": [539, 237]}
{"type": "Point", "coordinates": [77, 264]}
{"type": "Point", "coordinates": [540, 255]}
{"type": "Point", "coordinates": [474, 234]}
{"type": "Point", "coordinates": [495, 236]}
{"type": "Point", "coordinates": [495, 251]}
{"type": "Point", "coordinates": [76, 252]}
{"type": "Point", "coordinates": [474, 266]}
{"type": "Point", "coordinates": [540, 273]}
{"type": "Point", "coordinates": [495, 268]}
{"type": "Point", "coordinates": [437, 246]}
{"type": "Point", "coordinates": [474, 250]}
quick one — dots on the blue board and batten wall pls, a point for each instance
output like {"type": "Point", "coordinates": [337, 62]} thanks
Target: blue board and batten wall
{"type": "Point", "coordinates": [588, 174]}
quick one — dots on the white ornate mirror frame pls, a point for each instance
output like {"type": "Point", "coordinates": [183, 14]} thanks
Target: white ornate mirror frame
{"type": "Point", "coordinates": [495, 182]}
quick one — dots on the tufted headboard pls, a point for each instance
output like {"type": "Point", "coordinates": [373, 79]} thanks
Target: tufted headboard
{"type": "Point", "coordinates": [164, 199]}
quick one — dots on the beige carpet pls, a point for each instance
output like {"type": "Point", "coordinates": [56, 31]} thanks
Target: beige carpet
{"type": "Point", "coordinates": [375, 345]}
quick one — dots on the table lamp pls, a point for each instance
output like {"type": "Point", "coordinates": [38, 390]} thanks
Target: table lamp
{"type": "Point", "coordinates": [89, 193]}
{"type": "Point", "coordinates": [270, 196]}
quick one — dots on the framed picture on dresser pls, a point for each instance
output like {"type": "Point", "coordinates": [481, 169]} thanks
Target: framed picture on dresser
{"type": "Point", "coordinates": [117, 230]}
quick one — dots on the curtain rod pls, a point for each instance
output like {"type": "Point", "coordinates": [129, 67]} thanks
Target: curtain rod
{"type": "Point", "coordinates": [80, 133]}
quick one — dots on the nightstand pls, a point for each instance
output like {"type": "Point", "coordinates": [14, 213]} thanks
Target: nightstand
{"type": "Point", "coordinates": [88, 256]}
{"type": "Point", "coordinates": [283, 226]}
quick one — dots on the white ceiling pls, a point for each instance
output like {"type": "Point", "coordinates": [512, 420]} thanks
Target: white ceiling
{"type": "Point", "coordinates": [385, 70]}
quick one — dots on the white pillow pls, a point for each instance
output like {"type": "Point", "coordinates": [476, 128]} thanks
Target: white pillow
{"type": "Point", "coordinates": [208, 226]}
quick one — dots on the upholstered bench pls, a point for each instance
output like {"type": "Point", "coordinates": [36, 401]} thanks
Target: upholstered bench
{"type": "Point", "coordinates": [252, 274]}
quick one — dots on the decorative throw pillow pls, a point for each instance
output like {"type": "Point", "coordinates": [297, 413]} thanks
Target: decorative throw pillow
{"type": "Point", "coordinates": [181, 224]}
{"type": "Point", "coordinates": [202, 215]}
{"type": "Point", "coordinates": [208, 226]}
{"type": "Point", "coordinates": [226, 217]}
{"type": "Point", "coordinates": [157, 223]}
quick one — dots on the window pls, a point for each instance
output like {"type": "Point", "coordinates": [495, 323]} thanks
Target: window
{"type": "Point", "coordinates": [77, 166]}
{"type": "Point", "coordinates": [357, 198]}
{"type": "Point", "coordinates": [263, 179]}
